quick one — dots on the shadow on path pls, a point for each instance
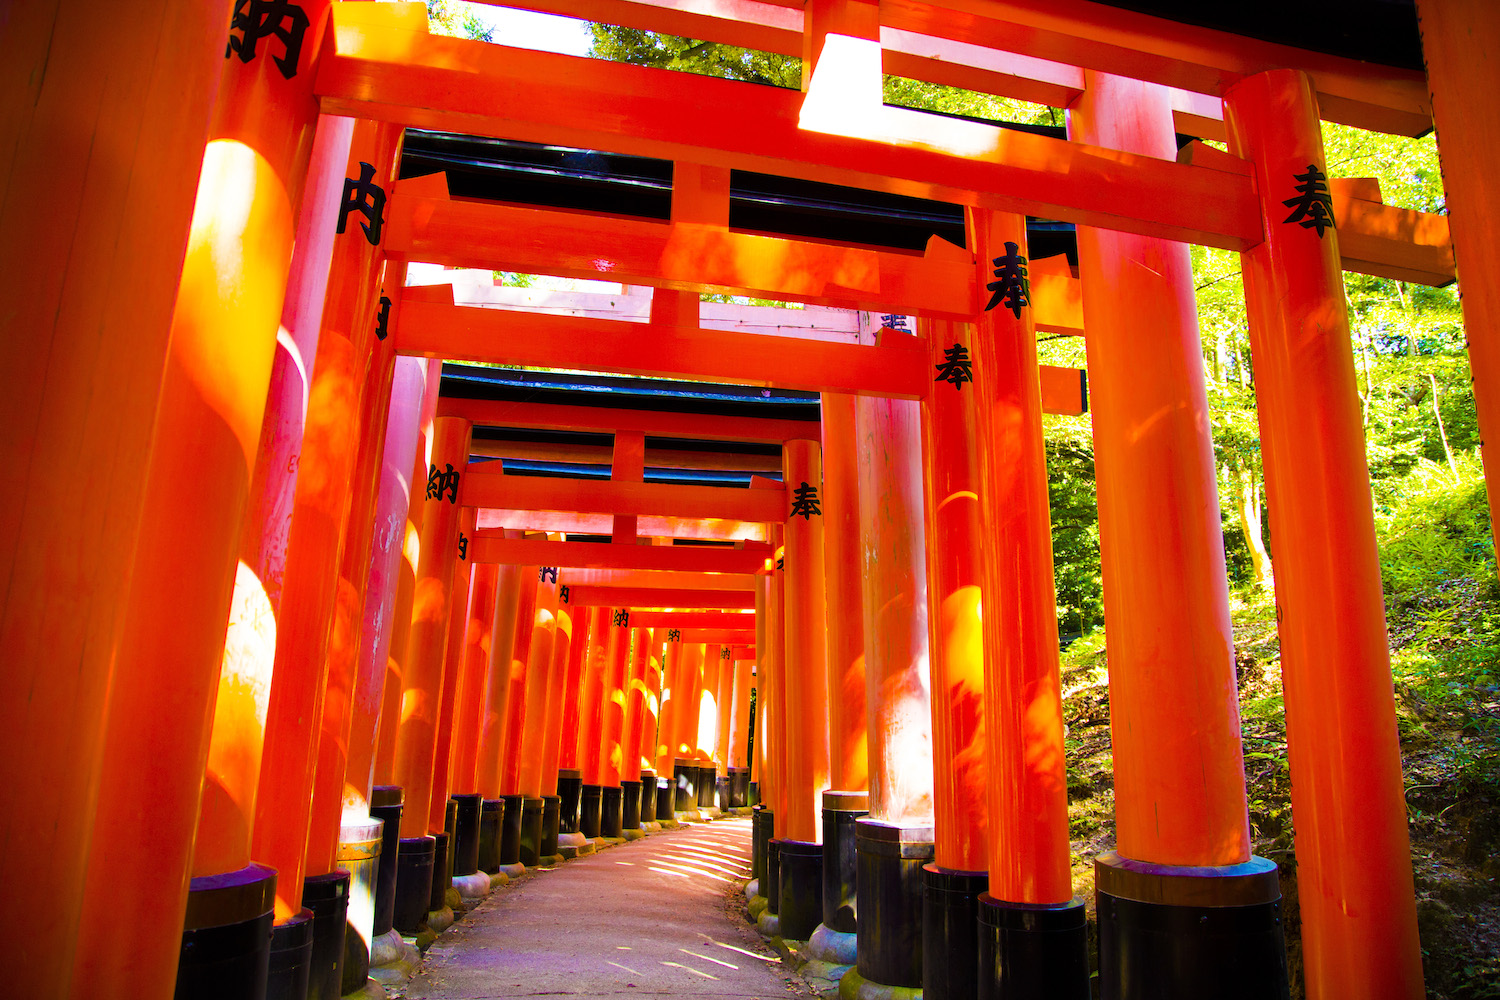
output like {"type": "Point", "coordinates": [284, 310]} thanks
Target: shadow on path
{"type": "Point", "coordinates": [660, 917]}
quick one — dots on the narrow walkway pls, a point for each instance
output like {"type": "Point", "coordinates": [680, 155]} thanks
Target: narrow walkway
{"type": "Point", "coordinates": [658, 918]}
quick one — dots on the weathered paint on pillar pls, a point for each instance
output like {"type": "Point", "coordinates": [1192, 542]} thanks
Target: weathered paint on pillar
{"type": "Point", "coordinates": [207, 429]}
{"type": "Point", "coordinates": [956, 546]}
{"type": "Point", "coordinates": [469, 703]}
{"type": "Point", "coordinates": [454, 648]}
{"type": "Point", "coordinates": [380, 591]}
{"type": "Point", "coordinates": [98, 188]}
{"type": "Point", "coordinates": [1459, 42]}
{"type": "Point", "coordinates": [806, 692]}
{"type": "Point", "coordinates": [416, 740]}
{"type": "Point", "coordinates": [848, 758]}
{"type": "Point", "coordinates": [544, 639]}
{"type": "Point", "coordinates": [1354, 876]}
{"type": "Point", "coordinates": [1179, 773]}
{"type": "Point", "coordinates": [1029, 854]}
{"type": "Point", "coordinates": [895, 608]}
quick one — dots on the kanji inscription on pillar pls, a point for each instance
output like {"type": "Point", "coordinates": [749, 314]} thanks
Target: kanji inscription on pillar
{"type": "Point", "coordinates": [383, 318]}
{"type": "Point", "coordinates": [463, 546]}
{"type": "Point", "coordinates": [258, 19]}
{"type": "Point", "coordinates": [894, 322]}
{"type": "Point", "coordinates": [1011, 285]}
{"type": "Point", "coordinates": [724, 653]}
{"type": "Point", "coordinates": [622, 618]}
{"type": "Point", "coordinates": [562, 593]}
{"type": "Point", "coordinates": [674, 635]}
{"type": "Point", "coordinates": [1312, 208]}
{"type": "Point", "coordinates": [956, 367]}
{"type": "Point", "coordinates": [547, 574]}
{"type": "Point", "coordinates": [805, 501]}
{"type": "Point", "coordinates": [368, 199]}
{"type": "Point", "coordinates": [442, 482]}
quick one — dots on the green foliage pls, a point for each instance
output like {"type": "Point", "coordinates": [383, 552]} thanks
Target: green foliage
{"type": "Point", "coordinates": [1433, 525]}
{"type": "Point", "coordinates": [728, 62]}
{"type": "Point", "coordinates": [457, 19]}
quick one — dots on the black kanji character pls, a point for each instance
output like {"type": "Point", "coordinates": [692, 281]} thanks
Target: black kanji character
{"type": "Point", "coordinates": [382, 318]}
{"type": "Point", "coordinates": [547, 574]}
{"type": "Point", "coordinates": [956, 367]}
{"type": "Point", "coordinates": [724, 653]}
{"type": "Point", "coordinates": [1011, 285]}
{"type": "Point", "coordinates": [463, 546]}
{"type": "Point", "coordinates": [368, 199]}
{"type": "Point", "coordinates": [257, 19]}
{"type": "Point", "coordinates": [562, 593]}
{"type": "Point", "coordinates": [622, 618]}
{"type": "Point", "coordinates": [674, 635]}
{"type": "Point", "coordinates": [1313, 206]}
{"type": "Point", "coordinates": [805, 501]}
{"type": "Point", "coordinates": [439, 483]}
{"type": "Point", "coordinates": [893, 321]}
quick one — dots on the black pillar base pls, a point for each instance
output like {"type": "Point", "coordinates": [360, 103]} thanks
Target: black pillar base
{"type": "Point", "coordinates": [705, 786]}
{"type": "Point", "coordinates": [722, 792]}
{"type": "Point", "coordinates": [840, 859]}
{"type": "Point", "coordinates": [491, 812]}
{"type": "Point", "coordinates": [510, 829]}
{"type": "Point", "coordinates": [466, 833]}
{"type": "Point", "coordinates": [630, 805]}
{"type": "Point", "coordinates": [549, 826]}
{"type": "Point", "coordinates": [588, 813]}
{"type": "Point", "coordinates": [291, 958]}
{"type": "Point", "coordinates": [360, 846]}
{"type": "Point", "coordinates": [328, 897]}
{"type": "Point", "coordinates": [889, 884]}
{"type": "Point", "coordinates": [1177, 932]}
{"type": "Point", "coordinates": [800, 884]}
{"type": "Point", "coordinates": [950, 932]}
{"type": "Point", "coordinates": [772, 887]}
{"type": "Point", "coordinates": [531, 832]}
{"type": "Point", "coordinates": [437, 892]}
{"type": "Point", "coordinates": [414, 862]}
{"type": "Point", "coordinates": [752, 793]}
{"type": "Point", "coordinates": [762, 829]}
{"type": "Point", "coordinates": [685, 781]}
{"type": "Point", "coordinates": [648, 796]}
{"type": "Point", "coordinates": [1032, 950]}
{"type": "Point", "coordinates": [569, 785]}
{"type": "Point", "coordinates": [739, 787]}
{"type": "Point", "coordinates": [385, 804]}
{"type": "Point", "coordinates": [226, 936]}
{"type": "Point", "coordinates": [664, 803]}
{"type": "Point", "coordinates": [610, 803]}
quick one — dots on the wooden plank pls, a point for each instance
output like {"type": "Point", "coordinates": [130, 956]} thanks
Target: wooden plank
{"type": "Point", "coordinates": [390, 74]}
{"type": "Point", "coordinates": [648, 597]}
{"type": "Point", "coordinates": [490, 547]}
{"type": "Point", "coordinates": [1390, 242]}
{"type": "Point", "coordinates": [677, 256]}
{"type": "Point", "coordinates": [483, 488]}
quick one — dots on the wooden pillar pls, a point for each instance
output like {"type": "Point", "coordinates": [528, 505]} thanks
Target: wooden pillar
{"type": "Point", "coordinates": [202, 453]}
{"type": "Point", "coordinates": [724, 698]}
{"type": "Point", "coordinates": [1354, 876]}
{"type": "Point", "coordinates": [631, 741]}
{"type": "Point", "coordinates": [848, 763]}
{"type": "Point", "coordinates": [454, 647]}
{"type": "Point", "coordinates": [671, 698]}
{"type": "Point", "coordinates": [542, 654]}
{"type": "Point", "coordinates": [469, 701]}
{"type": "Point", "coordinates": [1459, 39]}
{"type": "Point", "coordinates": [590, 709]}
{"type": "Point", "coordinates": [520, 667]}
{"type": "Point", "coordinates": [571, 693]}
{"type": "Point", "coordinates": [739, 713]}
{"type": "Point", "coordinates": [98, 186]}
{"type": "Point", "coordinates": [416, 742]}
{"type": "Point", "coordinates": [511, 582]}
{"type": "Point", "coordinates": [312, 585]}
{"type": "Point", "coordinates": [559, 675]}
{"type": "Point", "coordinates": [1033, 933]}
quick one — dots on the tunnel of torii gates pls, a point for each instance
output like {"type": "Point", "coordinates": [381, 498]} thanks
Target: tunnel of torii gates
{"type": "Point", "coordinates": [482, 617]}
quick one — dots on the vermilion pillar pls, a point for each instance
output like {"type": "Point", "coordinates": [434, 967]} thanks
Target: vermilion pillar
{"type": "Point", "coordinates": [1458, 40]}
{"type": "Point", "coordinates": [313, 586]}
{"type": "Point", "coordinates": [99, 185]}
{"type": "Point", "coordinates": [612, 721]}
{"type": "Point", "coordinates": [666, 743]}
{"type": "Point", "coordinates": [848, 764]}
{"type": "Point", "coordinates": [569, 775]}
{"type": "Point", "coordinates": [558, 677]}
{"type": "Point", "coordinates": [1174, 715]}
{"type": "Point", "coordinates": [532, 722]}
{"type": "Point", "coordinates": [776, 725]}
{"type": "Point", "coordinates": [630, 734]}
{"type": "Point", "coordinates": [955, 548]}
{"type": "Point", "coordinates": [724, 698]}
{"type": "Point", "coordinates": [469, 702]}
{"type": "Point", "coordinates": [894, 841]}
{"type": "Point", "coordinates": [454, 648]}
{"type": "Point", "coordinates": [515, 700]}
{"type": "Point", "coordinates": [1354, 877]}
{"type": "Point", "coordinates": [800, 830]}
{"type": "Point", "coordinates": [1032, 932]}
{"type": "Point", "coordinates": [511, 583]}
{"type": "Point", "coordinates": [650, 718]}
{"type": "Point", "coordinates": [591, 720]}
{"type": "Point", "coordinates": [211, 400]}
{"type": "Point", "coordinates": [739, 725]}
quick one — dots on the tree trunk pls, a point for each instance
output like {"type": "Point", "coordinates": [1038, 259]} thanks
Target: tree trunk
{"type": "Point", "coordinates": [1247, 511]}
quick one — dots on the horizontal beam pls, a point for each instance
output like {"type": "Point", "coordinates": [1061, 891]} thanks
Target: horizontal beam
{"type": "Point", "coordinates": [667, 580]}
{"type": "Point", "coordinates": [488, 547]}
{"type": "Point", "coordinates": [381, 71]}
{"type": "Point", "coordinates": [1127, 43]}
{"type": "Point", "coordinates": [721, 636]}
{"type": "Point", "coordinates": [483, 488]}
{"type": "Point", "coordinates": [677, 256]}
{"type": "Point", "coordinates": [650, 597]}
{"type": "Point", "coordinates": [656, 458]}
{"type": "Point", "coordinates": [1064, 390]}
{"type": "Point", "coordinates": [694, 619]}
{"type": "Point", "coordinates": [1390, 242]}
{"type": "Point", "coordinates": [537, 340]}
{"type": "Point", "coordinates": [690, 426]}
{"type": "Point", "coordinates": [706, 529]}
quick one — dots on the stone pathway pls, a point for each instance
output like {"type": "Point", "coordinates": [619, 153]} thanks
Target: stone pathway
{"type": "Point", "coordinates": [661, 917]}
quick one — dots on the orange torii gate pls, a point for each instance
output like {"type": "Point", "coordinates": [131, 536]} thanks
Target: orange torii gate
{"type": "Point", "coordinates": [137, 624]}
